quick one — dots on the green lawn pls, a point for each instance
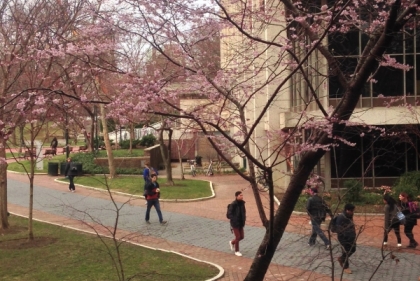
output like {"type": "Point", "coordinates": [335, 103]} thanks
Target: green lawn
{"type": "Point", "coordinates": [183, 189]}
{"type": "Point", "coordinates": [61, 254]}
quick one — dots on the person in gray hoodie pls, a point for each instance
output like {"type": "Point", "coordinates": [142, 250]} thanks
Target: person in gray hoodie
{"type": "Point", "coordinates": [391, 220]}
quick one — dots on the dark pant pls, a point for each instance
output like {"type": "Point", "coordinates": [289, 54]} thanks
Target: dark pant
{"type": "Point", "coordinates": [316, 230]}
{"type": "Point", "coordinates": [150, 203]}
{"type": "Point", "coordinates": [396, 228]}
{"type": "Point", "coordinates": [408, 230]}
{"type": "Point", "coordinates": [239, 235]}
{"type": "Point", "coordinates": [348, 248]}
{"type": "Point", "coordinates": [71, 185]}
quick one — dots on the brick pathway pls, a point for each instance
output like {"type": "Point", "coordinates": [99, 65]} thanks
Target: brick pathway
{"type": "Point", "coordinates": [214, 209]}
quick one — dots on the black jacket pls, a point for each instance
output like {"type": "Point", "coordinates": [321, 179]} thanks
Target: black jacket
{"type": "Point", "coordinates": [346, 230]}
{"type": "Point", "coordinates": [237, 214]}
{"type": "Point", "coordinates": [390, 216]}
{"type": "Point", "coordinates": [317, 208]}
{"type": "Point", "coordinates": [410, 219]}
{"type": "Point", "coordinates": [71, 169]}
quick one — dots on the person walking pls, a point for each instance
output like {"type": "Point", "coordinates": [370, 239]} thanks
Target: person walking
{"type": "Point", "coordinates": [391, 220]}
{"type": "Point", "coordinates": [317, 210]}
{"type": "Point", "coordinates": [147, 171]}
{"type": "Point", "coordinates": [408, 208]}
{"type": "Point", "coordinates": [152, 193]}
{"type": "Point", "coordinates": [346, 234]}
{"type": "Point", "coordinates": [54, 144]}
{"type": "Point", "coordinates": [70, 172]}
{"type": "Point", "coordinates": [237, 216]}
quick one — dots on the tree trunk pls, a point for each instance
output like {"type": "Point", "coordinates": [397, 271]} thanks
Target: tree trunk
{"type": "Point", "coordinates": [131, 137]}
{"type": "Point", "coordinates": [31, 201]}
{"type": "Point", "coordinates": [269, 244]}
{"type": "Point", "coordinates": [180, 163]}
{"type": "Point", "coordinates": [166, 155]}
{"type": "Point", "coordinates": [3, 186]}
{"type": "Point", "coordinates": [111, 164]}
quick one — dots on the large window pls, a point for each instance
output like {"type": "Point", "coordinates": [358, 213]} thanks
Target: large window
{"type": "Point", "coordinates": [374, 155]}
{"type": "Point", "coordinates": [388, 81]}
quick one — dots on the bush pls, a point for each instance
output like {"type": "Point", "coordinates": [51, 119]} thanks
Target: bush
{"type": "Point", "coordinates": [409, 183]}
{"type": "Point", "coordinates": [353, 192]}
{"type": "Point", "coordinates": [125, 144]}
{"type": "Point", "coordinates": [371, 198]}
{"type": "Point", "coordinates": [88, 164]}
{"type": "Point", "coordinates": [148, 140]}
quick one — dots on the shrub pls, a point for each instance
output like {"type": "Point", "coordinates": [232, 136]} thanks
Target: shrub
{"type": "Point", "coordinates": [88, 164]}
{"type": "Point", "coordinates": [371, 198]}
{"type": "Point", "coordinates": [125, 144]}
{"type": "Point", "coordinates": [353, 192]}
{"type": "Point", "coordinates": [409, 183]}
{"type": "Point", "coordinates": [148, 140]}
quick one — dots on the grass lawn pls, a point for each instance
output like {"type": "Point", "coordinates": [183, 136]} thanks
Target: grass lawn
{"type": "Point", "coordinates": [61, 254]}
{"type": "Point", "coordinates": [183, 189]}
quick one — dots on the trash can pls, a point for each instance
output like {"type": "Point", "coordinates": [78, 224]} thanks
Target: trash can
{"type": "Point", "coordinates": [63, 168]}
{"type": "Point", "coordinates": [53, 169]}
{"type": "Point", "coordinates": [198, 160]}
{"type": "Point", "coordinates": [79, 167]}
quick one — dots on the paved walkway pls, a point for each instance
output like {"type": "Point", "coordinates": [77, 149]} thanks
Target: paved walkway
{"type": "Point", "coordinates": [199, 229]}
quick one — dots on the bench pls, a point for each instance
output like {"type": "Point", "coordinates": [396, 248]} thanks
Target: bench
{"type": "Point", "coordinates": [28, 154]}
{"type": "Point", "coordinates": [50, 152]}
{"type": "Point", "coordinates": [83, 148]}
{"type": "Point", "coordinates": [64, 149]}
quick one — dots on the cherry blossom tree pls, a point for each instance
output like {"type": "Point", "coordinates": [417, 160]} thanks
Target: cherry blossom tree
{"type": "Point", "coordinates": [269, 47]}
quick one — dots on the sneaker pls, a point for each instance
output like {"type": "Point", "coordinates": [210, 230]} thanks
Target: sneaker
{"type": "Point", "coordinates": [399, 245]}
{"type": "Point", "coordinates": [231, 246]}
{"type": "Point", "coordinates": [347, 270]}
{"type": "Point", "coordinates": [413, 245]}
{"type": "Point", "coordinates": [72, 191]}
{"type": "Point", "coordinates": [311, 244]}
{"type": "Point", "coordinates": [148, 222]}
{"type": "Point", "coordinates": [238, 254]}
{"type": "Point", "coordinates": [385, 243]}
{"type": "Point", "coordinates": [327, 247]}
{"type": "Point", "coordinates": [163, 222]}
{"type": "Point", "coordinates": [340, 261]}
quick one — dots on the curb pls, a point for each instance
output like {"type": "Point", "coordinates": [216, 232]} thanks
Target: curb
{"type": "Point", "coordinates": [218, 276]}
{"type": "Point", "coordinates": [141, 196]}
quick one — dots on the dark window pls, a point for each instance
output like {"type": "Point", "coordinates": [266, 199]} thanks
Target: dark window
{"type": "Point", "coordinates": [389, 81]}
{"type": "Point", "coordinates": [346, 160]}
{"type": "Point", "coordinates": [344, 44]}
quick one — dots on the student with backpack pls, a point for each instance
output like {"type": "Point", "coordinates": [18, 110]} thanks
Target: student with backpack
{"type": "Point", "coordinates": [411, 212]}
{"type": "Point", "coordinates": [236, 213]}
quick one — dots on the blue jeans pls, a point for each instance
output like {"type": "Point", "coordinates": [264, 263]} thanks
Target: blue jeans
{"type": "Point", "coordinates": [150, 203]}
{"type": "Point", "coordinates": [316, 230]}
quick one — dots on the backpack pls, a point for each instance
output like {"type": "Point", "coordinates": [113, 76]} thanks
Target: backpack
{"type": "Point", "coordinates": [333, 225]}
{"type": "Point", "coordinates": [227, 211]}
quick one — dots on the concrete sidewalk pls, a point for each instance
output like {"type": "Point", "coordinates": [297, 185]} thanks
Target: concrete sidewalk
{"type": "Point", "coordinates": [199, 229]}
